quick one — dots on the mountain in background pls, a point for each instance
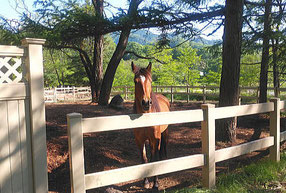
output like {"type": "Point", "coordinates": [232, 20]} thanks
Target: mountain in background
{"type": "Point", "coordinates": [142, 37]}
{"type": "Point", "coordinates": [145, 37]}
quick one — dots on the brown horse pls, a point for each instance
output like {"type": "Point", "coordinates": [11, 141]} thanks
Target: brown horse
{"type": "Point", "coordinates": [148, 102]}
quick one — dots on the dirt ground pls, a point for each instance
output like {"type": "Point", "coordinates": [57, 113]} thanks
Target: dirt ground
{"type": "Point", "coordinates": [116, 149]}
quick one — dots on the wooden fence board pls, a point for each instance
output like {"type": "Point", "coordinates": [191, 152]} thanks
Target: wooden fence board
{"type": "Point", "coordinates": [140, 120]}
{"type": "Point", "coordinates": [282, 105]}
{"type": "Point", "coordinates": [14, 146]}
{"type": "Point", "coordinates": [26, 164]}
{"type": "Point", "coordinates": [13, 91]}
{"type": "Point", "coordinates": [5, 174]}
{"type": "Point", "coordinates": [283, 136]}
{"type": "Point", "coordinates": [11, 51]}
{"type": "Point", "coordinates": [231, 152]}
{"type": "Point", "coordinates": [242, 110]}
{"type": "Point", "coordinates": [105, 178]}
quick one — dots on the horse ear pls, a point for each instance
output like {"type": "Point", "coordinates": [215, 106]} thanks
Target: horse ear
{"type": "Point", "coordinates": [149, 67]}
{"type": "Point", "coordinates": [134, 67]}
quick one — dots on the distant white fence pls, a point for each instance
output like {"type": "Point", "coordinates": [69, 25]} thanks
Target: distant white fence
{"type": "Point", "coordinates": [67, 94]}
{"type": "Point", "coordinates": [23, 158]}
{"type": "Point", "coordinates": [205, 92]}
{"type": "Point", "coordinates": [77, 126]}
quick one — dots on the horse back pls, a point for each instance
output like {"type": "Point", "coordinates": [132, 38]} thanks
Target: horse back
{"type": "Point", "coordinates": [163, 102]}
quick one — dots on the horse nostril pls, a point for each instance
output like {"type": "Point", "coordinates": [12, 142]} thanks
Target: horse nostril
{"type": "Point", "coordinates": [146, 103]}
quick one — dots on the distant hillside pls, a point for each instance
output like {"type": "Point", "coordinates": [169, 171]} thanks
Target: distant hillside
{"type": "Point", "coordinates": [147, 37]}
{"type": "Point", "coordinates": [140, 36]}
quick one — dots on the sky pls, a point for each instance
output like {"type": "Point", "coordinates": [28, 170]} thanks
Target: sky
{"type": "Point", "coordinates": [8, 7]}
{"type": "Point", "coordinates": [8, 10]}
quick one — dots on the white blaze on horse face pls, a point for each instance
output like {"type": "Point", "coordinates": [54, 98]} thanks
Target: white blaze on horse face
{"type": "Point", "coordinates": [142, 78]}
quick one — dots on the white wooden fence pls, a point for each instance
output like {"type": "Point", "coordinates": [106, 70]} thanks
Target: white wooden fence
{"type": "Point", "coordinates": [205, 92]}
{"type": "Point", "coordinates": [23, 159]}
{"type": "Point", "coordinates": [67, 94]}
{"type": "Point", "coordinates": [77, 126]}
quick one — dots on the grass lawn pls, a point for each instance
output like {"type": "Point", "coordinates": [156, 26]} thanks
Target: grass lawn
{"type": "Point", "coordinates": [260, 177]}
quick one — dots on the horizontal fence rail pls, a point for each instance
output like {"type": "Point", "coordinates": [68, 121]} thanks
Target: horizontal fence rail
{"type": "Point", "coordinates": [186, 92]}
{"type": "Point", "coordinates": [77, 126]}
{"type": "Point", "coordinates": [110, 177]}
{"type": "Point", "coordinates": [140, 120]}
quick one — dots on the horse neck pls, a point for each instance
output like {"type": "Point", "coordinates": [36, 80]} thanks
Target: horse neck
{"type": "Point", "coordinates": [155, 103]}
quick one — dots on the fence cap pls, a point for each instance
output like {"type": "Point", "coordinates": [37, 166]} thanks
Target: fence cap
{"type": "Point", "coordinates": [206, 106]}
{"type": "Point", "coordinates": [28, 41]}
{"type": "Point", "coordinates": [274, 99]}
{"type": "Point", "coordinates": [74, 115]}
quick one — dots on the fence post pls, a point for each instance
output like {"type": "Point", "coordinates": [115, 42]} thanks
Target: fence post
{"type": "Point", "coordinates": [239, 95]}
{"type": "Point", "coordinates": [257, 95]}
{"type": "Point", "coordinates": [275, 130]}
{"type": "Point", "coordinates": [208, 146]}
{"type": "Point", "coordinates": [172, 96]}
{"type": "Point", "coordinates": [73, 92]}
{"type": "Point", "coordinates": [204, 94]}
{"type": "Point", "coordinates": [126, 92]}
{"type": "Point", "coordinates": [276, 91]}
{"type": "Point", "coordinates": [34, 62]}
{"type": "Point", "coordinates": [188, 94]}
{"type": "Point", "coordinates": [55, 95]}
{"type": "Point", "coordinates": [76, 159]}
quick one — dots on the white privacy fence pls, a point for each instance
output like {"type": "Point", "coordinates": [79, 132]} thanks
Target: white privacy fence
{"type": "Point", "coordinates": [23, 159]}
{"type": "Point", "coordinates": [77, 126]}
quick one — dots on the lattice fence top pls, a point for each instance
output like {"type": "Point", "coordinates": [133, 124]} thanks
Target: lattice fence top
{"type": "Point", "coordinates": [12, 70]}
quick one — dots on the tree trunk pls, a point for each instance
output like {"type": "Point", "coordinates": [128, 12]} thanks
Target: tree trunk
{"type": "Point", "coordinates": [98, 63]}
{"type": "Point", "coordinates": [264, 63]}
{"type": "Point", "coordinates": [229, 85]}
{"type": "Point", "coordinates": [98, 52]}
{"type": "Point", "coordinates": [118, 54]}
{"type": "Point", "coordinates": [265, 53]}
{"type": "Point", "coordinates": [112, 66]}
{"type": "Point", "coordinates": [276, 82]}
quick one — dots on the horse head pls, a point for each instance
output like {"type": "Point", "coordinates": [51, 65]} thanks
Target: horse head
{"type": "Point", "coordinates": [143, 87]}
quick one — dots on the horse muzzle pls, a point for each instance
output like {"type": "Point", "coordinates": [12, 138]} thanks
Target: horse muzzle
{"type": "Point", "coordinates": [146, 104]}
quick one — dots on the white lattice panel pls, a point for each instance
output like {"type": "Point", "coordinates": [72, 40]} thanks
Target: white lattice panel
{"type": "Point", "coordinates": [11, 70]}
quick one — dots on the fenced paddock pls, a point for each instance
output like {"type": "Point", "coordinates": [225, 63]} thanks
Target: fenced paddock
{"type": "Point", "coordinates": [204, 92]}
{"type": "Point", "coordinates": [175, 93]}
{"type": "Point", "coordinates": [23, 159]}
{"type": "Point", "coordinates": [77, 126]}
{"type": "Point", "coordinates": [67, 94]}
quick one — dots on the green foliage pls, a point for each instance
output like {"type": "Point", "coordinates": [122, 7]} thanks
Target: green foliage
{"type": "Point", "coordinates": [250, 69]}
{"type": "Point", "coordinates": [124, 75]}
{"type": "Point", "coordinates": [62, 68]}
{"type": "Point", "coordinates": [108, 49]}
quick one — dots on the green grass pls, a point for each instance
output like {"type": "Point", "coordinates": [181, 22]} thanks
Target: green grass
{"type": "Point", "coordinates": [264, 176]}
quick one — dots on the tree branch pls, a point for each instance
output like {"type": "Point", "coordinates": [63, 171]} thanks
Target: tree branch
{"type": "Point", "coordinates": [144, 57]}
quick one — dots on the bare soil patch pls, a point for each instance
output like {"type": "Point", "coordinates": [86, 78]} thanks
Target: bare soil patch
{"type": "Point", "coordinates": [110, 150]}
